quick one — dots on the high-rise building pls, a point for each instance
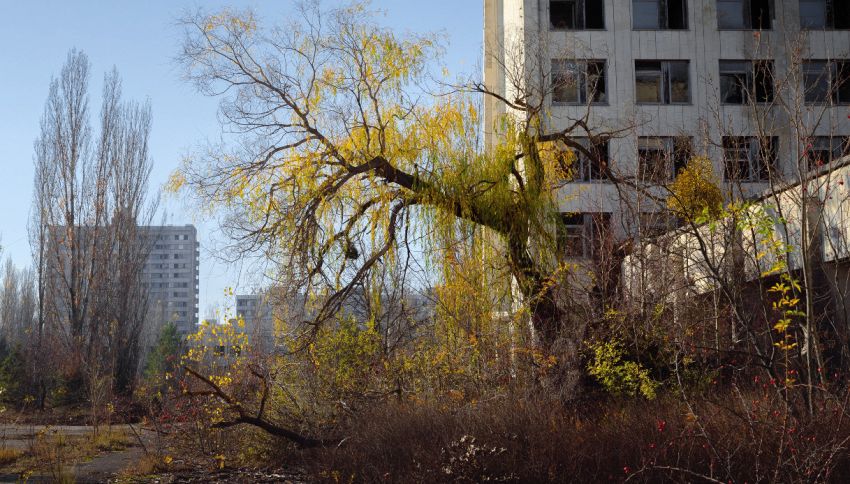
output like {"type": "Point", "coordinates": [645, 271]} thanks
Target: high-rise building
{"type": "Point", "coordinates": [678, 77]}
{"type": "Point", "coordinates": [171, 275]}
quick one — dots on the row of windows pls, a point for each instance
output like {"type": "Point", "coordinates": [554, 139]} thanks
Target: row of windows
{"type": "Point", "coordinates": [660, 158]}
{"type": "Point", "coordinates": [673, 14]}
{"type": "Point", "coordinates": [172, 246]}
{"type": "Point", "coordinates": [175, 275]}
{"type": "Point", "coordinates": [172, 256]}
{"type": "Point", "coordinates": [166, 285]}
{"type": "Point", "coordinates": [176, 237]}
{"type": "Point", "coordinates": [174, 265]}
{"type": "Point", "coordinates": [668, 81]}
{"type": "Point", "coordinates": [584, 234]}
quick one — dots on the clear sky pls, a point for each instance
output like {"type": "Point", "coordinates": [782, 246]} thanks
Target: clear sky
{"type": "Point", "coordinates": [141, 40]}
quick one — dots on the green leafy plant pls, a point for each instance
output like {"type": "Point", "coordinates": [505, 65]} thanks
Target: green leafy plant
{"type": "Point", "coordinates": [618, 375]}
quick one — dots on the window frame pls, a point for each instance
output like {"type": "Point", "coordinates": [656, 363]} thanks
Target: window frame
{"type": "Point", "coordinates": [756, 165]}
{"type": "Point", "coordinates": [750, 90]}
{"type": "Point", "coordinates": [585, 94]}
{"type": "Point", "coordinates": [580, 15]}
{"type": "Point", "coordinates": [585, 170]}
{"type": "Point", "coordinates": [671, 149]}
{"type": "Point", "coordinates": [747, 7]}
{"type": "Point", "coordinates": [838, 147]}
{"type": "Point", "coordinates": [831, 67]}
{"type": "Point", "coordinates": [663, 16]}
{"type": "Point", "coordinates": [653, 224]}
{"type": "Point", "coordinates": [583, 230]}
{"type": "Point", "coordinates": [829, 16]}
{"type": "Point", "coordinates": [665, 80]}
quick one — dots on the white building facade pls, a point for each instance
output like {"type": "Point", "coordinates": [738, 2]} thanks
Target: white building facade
{"type": "Point", "coordinates": [674, 79]}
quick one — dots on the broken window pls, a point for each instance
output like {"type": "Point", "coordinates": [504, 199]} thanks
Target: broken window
{"type": "Point", "coordinates": [662, 82]}
{"type": "Point", "coordinates": [659, 14]}
{"type": "Point", "coordinates": [742, 82]}
{"type": "Point", "coordinates": [750, 158]}
{"type": "Point", "coordinates": [824, 14]}
{"type": "Point", "coordinates": [661, 158]}
{"type": "Point", "coordinates": [578, 82]}
{"type": "Point", "coordinates": [577, 14]}
{"type": "Point", "coordinates": [583, 234]}
{"type": "Point", "coordinates": [744, 14]}
{"type": "Point", "coordinates": [827, 81]}
{"type": "Point", "coordinates": [651, 224]}
{"type": "Point", "coordinates": [594, 167]}
{"type": "Point", "coordinates": [822, 150]}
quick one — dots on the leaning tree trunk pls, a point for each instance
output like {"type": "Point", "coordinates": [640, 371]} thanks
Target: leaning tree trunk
{"type": "Point", "coordinates": [558, 332]}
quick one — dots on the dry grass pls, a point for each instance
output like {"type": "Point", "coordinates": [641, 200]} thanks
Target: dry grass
{"type": "Point", "coordinates": [730, 437]}
{"type": "Point", "coordinates": [54, 454]}
{"type": "Point", "coordinates": [9, 456]}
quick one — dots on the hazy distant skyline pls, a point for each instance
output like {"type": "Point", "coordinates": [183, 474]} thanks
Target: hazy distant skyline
{"type": "Point", "coordinates": [141, 40]}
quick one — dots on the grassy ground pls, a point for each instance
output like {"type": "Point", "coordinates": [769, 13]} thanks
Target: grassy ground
{"type": "Point", "coordinates": [53, 453]}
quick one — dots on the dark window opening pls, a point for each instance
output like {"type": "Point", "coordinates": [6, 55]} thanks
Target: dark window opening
{"type": "Point", "coordinates": [584, 234]}
{"type": "Point", "coordinates": [659, 14]}
{"type": "Point", "coordinates": [822, 150]}
{"type": "Point", "coordinates": [660, 159]}
{"type": "Point", "coordinates": [662, 82]}
{"type": "Point", "coordinates": [749, 158]}
{"type": "Point", "coordinates": [825, 14]}
{"type": "Point", "coordinates": [594, 167]}
{"type": "Point", "coordinates": [578, 82]}
{"type": "Point", "coordinates": [651, 224]}
{"type": "Point", "coordinates": [742, 82]}
{"type": "Point", "coordinates": [744, 14]}
{"type": "Point", "coordinates": [576, 14]}
{"type": "Point", "coordinates": [827, 81]}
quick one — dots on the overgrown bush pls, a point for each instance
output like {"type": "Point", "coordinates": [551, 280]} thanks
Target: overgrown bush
{"type": "Point", "coordinates": [734, 436]}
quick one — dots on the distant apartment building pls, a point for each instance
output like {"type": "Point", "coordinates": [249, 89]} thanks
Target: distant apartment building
{"type": "Point", "coordinates": [171, 275]}
{"type": "Point", "coordinates": [684, 77]}
{"type": "Point", "coordinates": [256, 312]}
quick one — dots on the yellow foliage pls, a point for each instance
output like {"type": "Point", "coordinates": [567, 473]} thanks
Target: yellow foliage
{"type": "Point", "coordinates": [695, 193]}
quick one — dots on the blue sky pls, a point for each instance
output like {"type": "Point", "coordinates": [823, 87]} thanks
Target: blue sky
{"type": "Point", "coordinates": [141, 40]}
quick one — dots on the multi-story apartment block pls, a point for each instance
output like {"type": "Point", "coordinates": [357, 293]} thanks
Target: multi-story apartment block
{"type": "Point", "coordinates": [679, 78]}
{"type": "Point", "coordinates": [256, 312]}
{"type": "Point", "coordinates": [171, 275]}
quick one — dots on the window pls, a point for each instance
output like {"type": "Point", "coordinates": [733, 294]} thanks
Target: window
{"type": "Point", "coordinates": [744, 14]}
{"type": "Point", "coordinates": [661, 158]}
{"type": "Point", "coordinates": [578, 82]}
{"type": "Point", "coordinates": [651, 224]}
{"type": "Point", "coordinates": [662, 82]}
{"type": "Point", "coordinates": [827, 81]}
{"type": "Point", "coordinates": [660, 14]}
{"type": "Point", "coordinates": [822, 150]}
{"type": "Point", "coordinates": [824, 14]}
{"type": "Point", "coordinates": [743, 82]}
{"type": "Point", "coordinates": [577, 14]}
{"type": "Point", "coordinates": [589, 169]}
{"type": "Point", "coordinates": [749, 158]}
{"type": "Point", "coordinates": [583, 234]}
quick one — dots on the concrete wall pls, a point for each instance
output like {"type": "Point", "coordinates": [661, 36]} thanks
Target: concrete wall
{"type": "Point", "coordinates": [508, 22]}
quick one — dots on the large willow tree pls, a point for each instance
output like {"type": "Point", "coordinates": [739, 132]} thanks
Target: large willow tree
{"type": "Point", "coordinates": [341, 145]}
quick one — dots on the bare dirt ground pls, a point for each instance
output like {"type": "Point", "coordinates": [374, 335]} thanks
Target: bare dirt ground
{"type": "Point", "coordinates": [112, 466]}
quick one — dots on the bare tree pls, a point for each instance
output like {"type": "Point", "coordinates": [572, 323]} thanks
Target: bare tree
{"type": "Point", "coordinates": [89, 201]}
